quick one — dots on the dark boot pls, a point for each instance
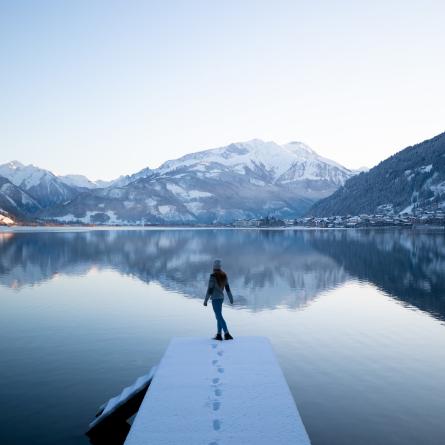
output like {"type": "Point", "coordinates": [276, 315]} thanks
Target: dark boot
{"type": "Point", "coordinates": [227, 336]}
{"type": "Point", "coordinates": [217, 337]}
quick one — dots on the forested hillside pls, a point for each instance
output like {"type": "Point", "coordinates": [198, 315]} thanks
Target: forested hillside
{"type": "Point", "coordinates": [412, 179]}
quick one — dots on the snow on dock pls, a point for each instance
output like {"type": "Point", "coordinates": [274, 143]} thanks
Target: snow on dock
{"type": "Point", "coordinates": [207, 392]}
{"type": "Point", "coordinates": [129, 399]}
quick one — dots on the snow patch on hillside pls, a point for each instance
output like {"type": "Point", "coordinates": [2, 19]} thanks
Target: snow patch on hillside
{"type": "Point", "coordinates": [426, 168]}
{"type": "Point", "coordinates": [163, 210]}
{"type": "Point", "coordinates": [89, 218]}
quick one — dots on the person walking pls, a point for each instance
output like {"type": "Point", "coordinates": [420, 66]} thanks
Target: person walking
{"type": "Point", "coordinates": [215, 291]}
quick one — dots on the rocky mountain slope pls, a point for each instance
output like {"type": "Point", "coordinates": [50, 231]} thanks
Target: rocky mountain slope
{"type": "Point", "coordinates": [15, 201]}
{"type": "Point", "coordinates": [409, 181]}
{"type": "Point", "coordinates": [41, 185]}
{"type": "Point", "coordinates": [243, 180]}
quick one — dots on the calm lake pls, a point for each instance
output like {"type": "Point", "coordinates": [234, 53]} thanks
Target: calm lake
{"type": "Point", "coordinates": [356, 319]}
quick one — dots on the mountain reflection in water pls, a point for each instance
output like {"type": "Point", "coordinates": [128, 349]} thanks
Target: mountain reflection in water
{"type": "Point", "coordinates": [267, 268]}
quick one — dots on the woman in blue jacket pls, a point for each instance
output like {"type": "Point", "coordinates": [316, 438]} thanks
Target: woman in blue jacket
{"type": "Point", "coordinates": [215, 291]}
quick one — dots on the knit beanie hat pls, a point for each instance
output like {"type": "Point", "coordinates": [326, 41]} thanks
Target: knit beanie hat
{"type": "Point", "coordinates": [217, 264]}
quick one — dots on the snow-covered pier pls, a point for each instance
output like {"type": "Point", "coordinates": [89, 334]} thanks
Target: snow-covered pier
{"type": "Point", "coordinates": [207, 392]}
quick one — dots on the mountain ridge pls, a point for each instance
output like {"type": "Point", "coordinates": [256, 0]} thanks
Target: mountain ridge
{"type": "Point", "coordinates": [411, 180]}
{"type": "Point", "coordinates": [241, 180]}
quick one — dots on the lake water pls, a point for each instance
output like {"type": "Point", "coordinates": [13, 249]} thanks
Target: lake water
{"type": "Point", "coordinates": [356, 319]}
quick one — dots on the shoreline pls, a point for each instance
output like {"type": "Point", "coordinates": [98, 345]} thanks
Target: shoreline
{"type": "Point", "coordinates": [82, 228]}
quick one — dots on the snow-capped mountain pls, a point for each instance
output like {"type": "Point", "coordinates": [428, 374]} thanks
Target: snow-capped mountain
{"type": "Point", "coordinates": [269, 161]}
{"type": "Point", "coordinates": [124, 180]}
{"type": "Point", "coordinates": [243, 180]}
{"type": "Point", "coordinates": [82, 182]}
{"type": "Point", "coordinates": [41, 185]}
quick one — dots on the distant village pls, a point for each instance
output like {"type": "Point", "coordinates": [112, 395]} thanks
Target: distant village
{"type": "Point", "coordinates": [431, 218]}
{"type": "Point", "coordinates": [419, 218]}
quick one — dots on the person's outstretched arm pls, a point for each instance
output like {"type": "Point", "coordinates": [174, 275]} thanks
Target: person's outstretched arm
{"type": "Point", "coordinates": [229, 292]}
{"type": "Point", "coordinates": [210, 288]}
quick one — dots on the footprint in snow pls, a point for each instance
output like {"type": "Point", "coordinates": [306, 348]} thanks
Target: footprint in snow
{"type": "Point", "coordinates": [216, 405]}
{"type": "Point", "coordinates": [215, 380]}
{"type": "Point", "coordinates": [214, 362]}
{"type": "Point", "coordinates": [220, 353]}
{"type": "Point", "coordinates": [218, 392]}
{"type": "Point", "coordinates": [220, 370]}
{"type": "Point", "coordinates": [216, 424]}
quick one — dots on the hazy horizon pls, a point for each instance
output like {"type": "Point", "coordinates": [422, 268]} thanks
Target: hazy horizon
{"type": "Point", "coordinates": [104, 88]}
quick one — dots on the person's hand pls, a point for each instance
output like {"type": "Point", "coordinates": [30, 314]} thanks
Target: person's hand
{"type": "Point", "coordinates": [205, 303]}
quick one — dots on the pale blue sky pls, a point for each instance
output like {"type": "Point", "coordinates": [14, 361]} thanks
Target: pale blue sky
{"type": "Point", "coordinates": [104, 88]}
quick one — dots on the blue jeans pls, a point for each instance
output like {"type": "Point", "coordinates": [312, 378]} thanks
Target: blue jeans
{"type": "Point", "coordinates": [217, 308]}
